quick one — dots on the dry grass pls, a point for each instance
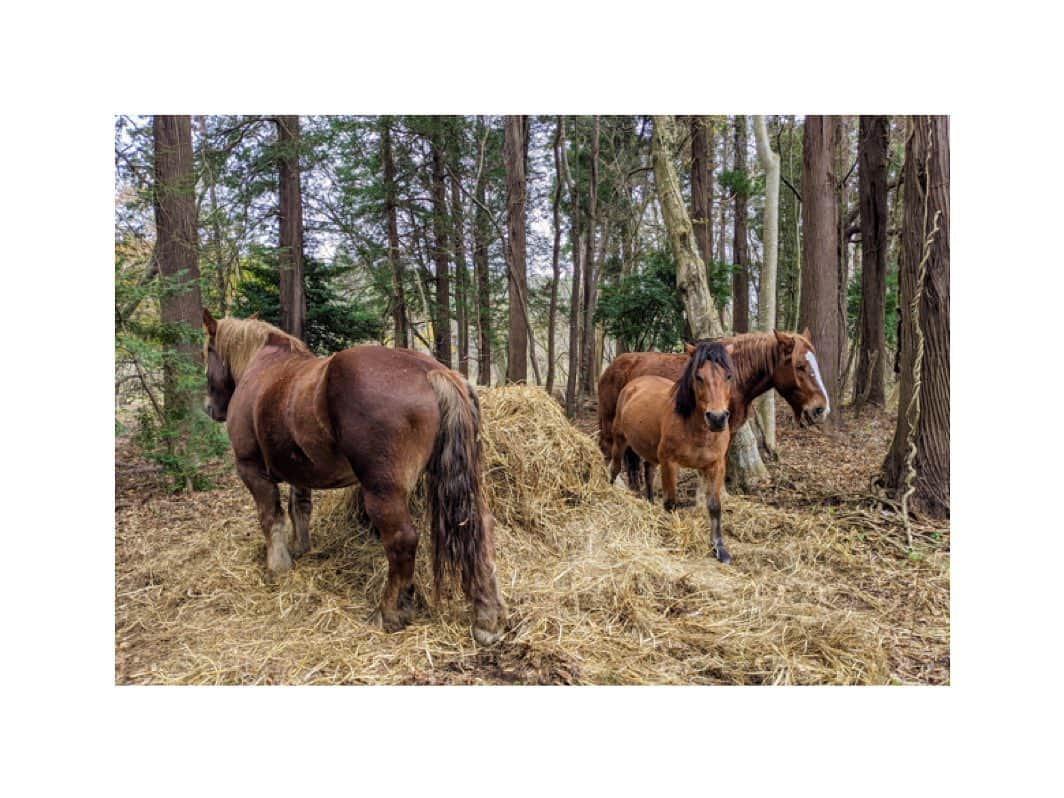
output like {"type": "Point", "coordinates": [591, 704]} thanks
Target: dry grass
{"type": "Point", "coordinates": [603, 588]}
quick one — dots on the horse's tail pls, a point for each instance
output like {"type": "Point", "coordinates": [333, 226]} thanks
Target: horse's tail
{"type": "Point", "coordinates": [462, 528]}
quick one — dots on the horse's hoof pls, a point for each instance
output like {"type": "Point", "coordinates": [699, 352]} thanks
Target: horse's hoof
{"type": "Point", "coordinates": [391, 622]}
{"type": "Point", "coordinates": [279, 563]}
{"type": "Point", "coordinates": [722, 555]}
{"type": "Point", "coordinates": [486, 638]}
{"type": "Point", "coordinates": [297, 550]}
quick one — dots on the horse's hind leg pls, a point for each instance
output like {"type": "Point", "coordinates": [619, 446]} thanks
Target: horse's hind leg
{"type": "Point", "coordinates": [268, 502]}
{"type": "Point", "coordinates": [390, 514]}
{"type": "Point", "coordinates": [648, 477]}
{"type": "Point", "coordinates": [299, 510]}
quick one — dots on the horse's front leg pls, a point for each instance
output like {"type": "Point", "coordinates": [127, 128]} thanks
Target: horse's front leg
{"type": "Point", "coordinates": [299, 510]}
{"type": "Point", "coordinates": [268, 502]}
{"type": "Point", "coordinates": [713, 480]}
{"type": "Point", "coordinates": [668, 481]}
{"type": "Point", "coordinates": [389, 513]}
{"type": "Point", "coordinates": [648, 478]}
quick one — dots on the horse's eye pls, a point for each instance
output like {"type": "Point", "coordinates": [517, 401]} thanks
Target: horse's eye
{"type": "Point", "coordinates": [698, 377]}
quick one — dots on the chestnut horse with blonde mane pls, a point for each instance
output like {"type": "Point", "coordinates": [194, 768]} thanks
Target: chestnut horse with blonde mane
{"type": "Point", "coordinates": [681, 423]}
{"type": "Point", "coordinates": [780, 360]}
{"type": "Point", "coordinates": [372, 415]}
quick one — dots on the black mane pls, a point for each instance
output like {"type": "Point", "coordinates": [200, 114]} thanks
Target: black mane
{"type": "Point", "coordinates": [684, 402]}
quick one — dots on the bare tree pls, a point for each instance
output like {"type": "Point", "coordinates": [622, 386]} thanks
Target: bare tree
{"type": "Point", "coordinates": [514, 158]}
{"type": "Point", "coordinates": [765, 405]}
{"type": "Point", "coordinates": [290, 256]}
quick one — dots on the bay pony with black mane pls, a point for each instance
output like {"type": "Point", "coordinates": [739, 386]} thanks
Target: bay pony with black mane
{"type": "Point", "coordinates": [781, 360]}
{"type": "Point", "coordinates": [372, 415]}
{"type": "Point", "coordinates": [682, 423]}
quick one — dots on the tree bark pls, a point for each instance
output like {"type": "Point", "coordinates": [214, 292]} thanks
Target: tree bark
{"type": "Point", "coordinates": [400, 331]}
{"type": "Point", "coordinates": [872, 155]}
{"type": "Point", "coordinates": [926, 187]}
{"type": "Point", "coordinates": [514, 158]}
{"type": "Point", "coordinates": [702, 185]}
{"type": "Point", "coordinates": [765, 405]}
{"type": "Point", "coordinates": [176, 253]}
{"type": "Point", "coordinates": [481, 237]}
{"type": "Point", "coordinates": [576, 244]}
{"type": "Point", "coordinates": [440, 251]}
{"type": "Point", "coordinates": [461, 280]}
{"type": "Point", "coordinates": [691, 277]}
{"type": "Point", "coordinates": [559, 135]}
{"type": "Point", "coordinates": [290, 255]}
{"type": "Point", "coordinates": [818, 308]}
{"type": "Point", "coordinates": [588, 370]}
{"type": "Point", "coordinates": [740, 277]}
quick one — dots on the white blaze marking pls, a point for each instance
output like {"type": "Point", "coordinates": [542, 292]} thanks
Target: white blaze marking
{"type": "Point", "coordinates": [816, 373]}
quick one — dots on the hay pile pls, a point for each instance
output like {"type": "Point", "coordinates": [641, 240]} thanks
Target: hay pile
{"type": "Point", "coordinates": [603, 588]}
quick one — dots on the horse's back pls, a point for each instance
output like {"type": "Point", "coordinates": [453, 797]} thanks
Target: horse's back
{"type": "Point", "coordinates": [642, 407]}
{"type": "Point", "coordinates": [625, 368]}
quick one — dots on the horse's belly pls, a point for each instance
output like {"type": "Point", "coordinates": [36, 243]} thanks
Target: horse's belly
{"type": "Point", "coordinates": [316, 470]}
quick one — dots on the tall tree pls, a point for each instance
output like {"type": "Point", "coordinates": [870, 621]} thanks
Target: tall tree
{"type": "Point", "coordinates": [400, 327]}
{"type": "Point", "coordinates": [481, 237]}
{"type": "Point", "coordinates": [819, 304]}
{"type": "Point", "coordinates": [740, 276]}
{"type": "Point", "coordinates": [552, 311]}
{"type": "Point", "coordinates": [461, 279]}
{"type": "Point", "coordinates": [921, 439]}
{"type": "Point", "coordinates": [691, 276]}
{"type": "Point", "coordinates": [588, 361]}
{"type": "Point", "coordinates": [176, 254]}
{"type": "Point", "coordinates": [576, 245]}
{"type": "Point", "coordinates": [293, 294]}
{"type": "Point", "coordinates": [702, 135]}
{"type": "Point", "coordinates": [440, 250]}
{"type": "Point", "coordinates": [514, 158]}
{"type": "Point", "coordinates": [765, 404]}
{"type": "Point", "coordinates": [745, 465]}
{"type": "Point", "coordinates": [872, 175]}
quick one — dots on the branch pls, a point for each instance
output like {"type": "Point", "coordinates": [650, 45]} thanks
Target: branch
{"type": "Point", "coordinates": [787, 183]}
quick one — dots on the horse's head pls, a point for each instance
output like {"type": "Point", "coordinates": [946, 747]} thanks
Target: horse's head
{"type": "Point", "coordinates": [706, 384]}
{"type": "Point", "coordinates": [220, 382]}
{"type": "Point", "coordinates": [797, 378]}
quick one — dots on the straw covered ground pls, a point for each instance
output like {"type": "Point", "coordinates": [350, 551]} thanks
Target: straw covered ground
{"type": "Point", "coordinates": [602, 587]}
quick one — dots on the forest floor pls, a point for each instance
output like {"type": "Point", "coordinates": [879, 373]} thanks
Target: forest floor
{"type": "Point", "coordinates": [602, 587]}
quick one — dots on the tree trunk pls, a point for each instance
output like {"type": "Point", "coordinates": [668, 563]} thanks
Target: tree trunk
{"type": "Point", "coordinates": [691, 279]}
{"type": "Point", "coordinates": [290, 255]}
{"type": "Point", "coordinates": [576, 244]}
{"type": "Point", "coordinates": [924, 309]}
{"type": "Point", "coordinates": [401, 337]}
{"type": "Point", "coordinates": [481, 237]}
{"type": "Point", "coordinates": [702, 185]}
{"type": "Point", "coordinates": [872, 154]}
{"type": "Point", "coordinates": [745, 468]}
{"type": "Point", "coordinates": [552, 313]}
{"type": "Point", "coordinates": [461, 280]}
{"type": "Point", "coordinates": [442, 316]}
{"type": "Point", "coordinates": [588, 370]}
{"type": "Point", "coordinates": [176, 255]}
{"type": "Point", "coordinates": [514, 157]}
{"type": "Point", "coordinates": [819, 308]}
{"type": "Point", "coordinates": [740, 278]}
{"type": "Point", "coordinates": [765, 405]}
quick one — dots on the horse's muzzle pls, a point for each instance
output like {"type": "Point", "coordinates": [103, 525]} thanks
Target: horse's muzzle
{"type": "Point", "coordinates": [717, 421]}
{"type": "Point", "coordinates": [812, 415]}
{"type": "Point", "coordinates": [214, 414]}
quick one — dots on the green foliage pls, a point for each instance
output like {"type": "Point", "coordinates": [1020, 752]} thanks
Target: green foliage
{"type": "Point", "coordinates": [333, 321]}
{"type": "Point", "coordinates": [720, 282]}
{"type": "Point", "coordinates": [644, 310]}
{"type": "Point", "coordinates": [890, 315]}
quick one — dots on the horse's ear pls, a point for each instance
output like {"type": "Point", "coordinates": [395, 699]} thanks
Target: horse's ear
{"type": "Point", "coordinates": [729, 348]}
{"type": "Point", "coordinates": [209, 322]}
{"type": "Point", "coordinates": [253, 316]}
{"type": "Point", "coordinates": [689, 349]}
{"type": "Point", "coordinates": [785, 341]}
{"type": "Point", "coordinates": [806, 335]}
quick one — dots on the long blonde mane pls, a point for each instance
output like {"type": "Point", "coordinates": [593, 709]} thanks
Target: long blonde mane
{"type": "Point", "coordinates": [238, 340]}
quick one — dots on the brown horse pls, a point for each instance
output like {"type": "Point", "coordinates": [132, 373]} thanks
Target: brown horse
{"type": "Point", "coordinates": [784, 361]}
{"type": "Point", "coordinates": [370, 414]}
{"type": "Point", "coordinates": [681, 423]}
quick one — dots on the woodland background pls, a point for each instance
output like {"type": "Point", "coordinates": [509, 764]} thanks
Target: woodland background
{"type": "Point", "coordinates": [535, 248]}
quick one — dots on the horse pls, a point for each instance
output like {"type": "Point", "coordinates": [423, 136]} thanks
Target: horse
{"type": "Point", "coordinates": [780, 360]}
{"type": "Point", "coordinates": [377, 416]}
{"type": "Point", "coordinates": [657, 419]}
